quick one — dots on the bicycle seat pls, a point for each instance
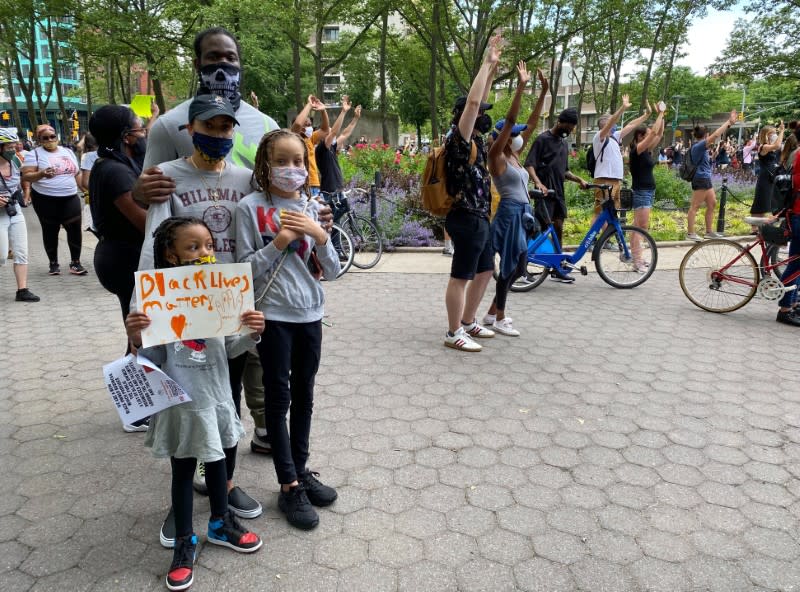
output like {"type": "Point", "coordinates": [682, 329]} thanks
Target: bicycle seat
{"type": "Point", "coordinates": [757, 221]}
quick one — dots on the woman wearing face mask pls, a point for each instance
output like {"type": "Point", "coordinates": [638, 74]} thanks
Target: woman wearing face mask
{"type": "Point", "coordinates": [769, 141]}
{"type": "Point", "coordinates": [52, 171]}
{"type": "Point", "coordinates": [13, 232]}
{"type": "Point", "coordinates": [207, 187]}
{"type": "Point", "coordinates": [118, 219]}
{"type": "Point", "coordinates": [508, 232]}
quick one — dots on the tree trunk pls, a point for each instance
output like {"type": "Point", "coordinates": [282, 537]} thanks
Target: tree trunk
{"type": "Point", "coordinates": [157, 90]}
{"type": "Point", "coordinates": [654, 49]}
{"type": "Point", "coordinates": [10, 78]}
{"type": "Point", "coordinates": [110, 86]}
{"type": "Point", "coordinates": [318, 62]}
{"type": "Point", "coordinates": [382, 77]}
{"type": "Point", "coordinates": [88, 80]}
{"type": "Point", "coordinates": [432, 73]}
{"type": "Point", "coordinates": [52, 42]}
{"type": "Point", "coordinates": [668, 74]}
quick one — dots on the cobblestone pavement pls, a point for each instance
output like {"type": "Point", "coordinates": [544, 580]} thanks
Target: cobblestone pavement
{"type": "Point", "coordinates": [627, 441]}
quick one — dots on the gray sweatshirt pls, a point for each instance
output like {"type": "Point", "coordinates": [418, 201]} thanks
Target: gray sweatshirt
{"type": "Point", "coordinates": [191, 198]}
{"type": "Point", "coordinates": [295, 296]}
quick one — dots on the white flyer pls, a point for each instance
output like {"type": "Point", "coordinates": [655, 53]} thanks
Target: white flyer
{"type": "Point", "coordinates": [139, 388]}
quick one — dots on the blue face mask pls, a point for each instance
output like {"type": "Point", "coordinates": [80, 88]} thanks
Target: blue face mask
{"type": "Point", "coordinates": [212, 148]}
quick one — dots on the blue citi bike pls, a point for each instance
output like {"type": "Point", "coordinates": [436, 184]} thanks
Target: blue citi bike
{"type": "Point", "coordinates": [624, 256]}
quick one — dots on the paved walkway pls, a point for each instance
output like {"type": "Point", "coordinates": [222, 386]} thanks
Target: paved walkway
{"type": "Point", "coordinates": [627, 441]}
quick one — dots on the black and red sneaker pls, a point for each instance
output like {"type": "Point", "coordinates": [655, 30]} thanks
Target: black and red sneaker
{"type": "Point", "coordinates": [181, 573]}
{"type": "Point", "coordinates": [227, 532]}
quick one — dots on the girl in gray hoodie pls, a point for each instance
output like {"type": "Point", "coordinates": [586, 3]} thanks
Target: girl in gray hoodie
{"type": "Point", "coordinates": [278, 232]}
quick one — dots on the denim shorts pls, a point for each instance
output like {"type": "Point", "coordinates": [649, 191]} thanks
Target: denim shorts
{"type": "Point", "coordinates": [643, 198]}
{"type": "Point", "coordinates": [701, 184]}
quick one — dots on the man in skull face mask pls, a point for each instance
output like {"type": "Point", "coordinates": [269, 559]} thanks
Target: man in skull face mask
{"type": "Point", "coordinates": [548, 166]}
{"type": "Point", "coordinates": [217, 55]}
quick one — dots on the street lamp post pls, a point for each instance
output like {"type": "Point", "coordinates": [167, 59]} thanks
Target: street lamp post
{"type": "Point", "coordinates": [677, 99]}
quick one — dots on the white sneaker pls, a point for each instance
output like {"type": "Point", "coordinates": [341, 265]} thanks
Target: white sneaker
{"type": "Point", "coordinates": [693, 237]}
{"type": "Point", "coordinates": [489, 319]}
{"type": "Point", "coordinates": [476, 330]}
{"type": "Point", "coordinates": [711, 235]}
{"type": "Point", "coordinates": [505, 327]}
{"type": "Point", "coordinates": [460, 340]}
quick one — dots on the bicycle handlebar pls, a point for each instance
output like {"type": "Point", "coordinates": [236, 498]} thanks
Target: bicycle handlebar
{"type": "Point", "coordinates": [538, 194]}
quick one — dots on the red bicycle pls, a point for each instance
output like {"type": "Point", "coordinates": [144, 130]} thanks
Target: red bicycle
{"type": "Point", "coordinates": [721, 275]}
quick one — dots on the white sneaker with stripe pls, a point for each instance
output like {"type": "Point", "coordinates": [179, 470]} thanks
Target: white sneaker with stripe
{"type": "Point", "coordinates": [461, 341]}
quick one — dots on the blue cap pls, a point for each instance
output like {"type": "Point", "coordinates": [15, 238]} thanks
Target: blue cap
{"type": "Point", "coordinates": [515, 131]}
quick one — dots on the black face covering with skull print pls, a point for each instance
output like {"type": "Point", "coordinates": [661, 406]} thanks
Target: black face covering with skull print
{"type": "Point", "coordinates": [222, 79]}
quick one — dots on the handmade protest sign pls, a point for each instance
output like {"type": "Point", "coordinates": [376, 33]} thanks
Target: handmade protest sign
{"type": "Point", "coordinates": [139, 388]}
{"type": "Point", "coordinates": [194, 301]}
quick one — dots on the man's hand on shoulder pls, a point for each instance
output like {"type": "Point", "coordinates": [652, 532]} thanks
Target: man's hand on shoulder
{"type": "Point", "coordinates": [153, 186]}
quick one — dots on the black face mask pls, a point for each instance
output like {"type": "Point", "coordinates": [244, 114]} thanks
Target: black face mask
{"type": "Point", "coordinates": [484, 123]}
{"type": "Point", "coordinates": [222, 79]}
{"type": "Point", "coordinates": [562, 132]}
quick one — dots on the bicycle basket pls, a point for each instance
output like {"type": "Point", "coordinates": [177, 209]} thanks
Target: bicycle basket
{"type": "Point", "coordinates": [777, 235]}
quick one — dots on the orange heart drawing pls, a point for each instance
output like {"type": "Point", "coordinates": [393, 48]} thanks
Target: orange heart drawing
{"type": "Point", "coordinates": [178, 322]}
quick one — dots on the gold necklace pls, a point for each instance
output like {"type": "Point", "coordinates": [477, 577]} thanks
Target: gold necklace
{"type": "Point", "coordinates": [212, 193]}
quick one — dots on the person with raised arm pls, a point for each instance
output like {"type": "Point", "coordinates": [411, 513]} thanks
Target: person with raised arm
{"type": "Point", "coordinates": [607, 147]}
{"type": "Point", "coordinates": [643, 182]}
{"type": "Point", "coordinates": [702, 189]}
{"type": "Point", "coordinates": [508, 230]}
{"type": "Point", "coordinates": [303, 125]}
{"type": "Point", "coordinates": [467, 222]}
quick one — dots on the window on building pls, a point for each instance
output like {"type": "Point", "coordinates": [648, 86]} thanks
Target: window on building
{"type": "Point", "coordinates": [44, 51]}
{"type": "Point", "coordinates": [573, 101]}
{"type": "Point", "coordinates": [559, 103]}
{"type": "Point", "coordinates": [26, 70]}
{"type": "Point", "coordinates": [47, 69]}
{"type": "Point", "coordinates": [330, 34]}
{"type": "Point", "coordinates": [331, 79]}
{"type": "Point", "coordinates": [17, 90]}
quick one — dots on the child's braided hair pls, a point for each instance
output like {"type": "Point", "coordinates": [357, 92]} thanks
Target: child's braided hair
{"type": "Point", "coordinates": [261, 170]}
{"type": "Point", "coordinates": [164, 237]}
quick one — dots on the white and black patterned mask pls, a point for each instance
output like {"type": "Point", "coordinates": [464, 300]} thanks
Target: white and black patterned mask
{"type": "Point", "coordinates": [222, 79]}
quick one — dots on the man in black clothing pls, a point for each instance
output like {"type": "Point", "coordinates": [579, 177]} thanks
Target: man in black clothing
{"type": "Point", "coordinates": [548, 166]}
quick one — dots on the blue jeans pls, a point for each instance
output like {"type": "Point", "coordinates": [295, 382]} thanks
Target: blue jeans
{"type": "Point", "coordinates": [793, 267]}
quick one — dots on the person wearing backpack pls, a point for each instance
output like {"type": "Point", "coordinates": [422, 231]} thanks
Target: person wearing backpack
{"type": "Point", "coordinates": [606, 150]}
{"type": "Point", "coordinates": [702, 190]}
{"type": "Point", "coordinates": [467, 222]}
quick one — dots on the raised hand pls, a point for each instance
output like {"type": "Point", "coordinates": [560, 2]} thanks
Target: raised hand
{"type": "Point", "coordinates": [733, 117]}
{"type": "Point", "coordinates": [542, 80]}
{"type": "Point", "coordinates": [357, 111]}
{"type": "Point", "coordinates": [495, 49]}
{"type": "Point", "coordinates": [316, 104]}
{"type": "Point", "coordinates": [523, 74]}
{"type": "Point", "coordinates": [648, 109]}
{"type": "Point", "coordinates": [154, 110]}
{"type": "Point", "coordinates": [626, 101]}
{"type": "Point", "coordinates": [346, 104]}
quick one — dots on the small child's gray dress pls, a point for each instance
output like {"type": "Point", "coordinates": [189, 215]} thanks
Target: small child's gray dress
{"type": "Point", "coordinates": [207, 424]}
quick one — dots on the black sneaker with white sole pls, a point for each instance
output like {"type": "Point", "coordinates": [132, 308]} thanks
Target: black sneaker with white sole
{"type": "Point", "coordinates": [181, 572]}
{"type": "Point", "coordinates": [260, 444]}
{"type": "Point", "coordinates": [242, 504]}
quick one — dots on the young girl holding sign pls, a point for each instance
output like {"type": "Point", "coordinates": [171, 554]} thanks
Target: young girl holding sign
{"type": "Point", "coordinates": [207, 428]}
{"type": "Point", "coordinates": [276, 230]}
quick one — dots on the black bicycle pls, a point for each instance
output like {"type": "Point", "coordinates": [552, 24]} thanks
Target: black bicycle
{"type": "Point", "coordinates": [364, 234]}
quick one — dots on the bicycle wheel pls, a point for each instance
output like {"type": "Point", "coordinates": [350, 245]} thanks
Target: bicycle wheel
{"type": "Point", "coordinates": [534, 275]}
{"type": "Point", "coordinates": [711, 289]}
{"type": "Point", "coordinates": [344, 246]}
{"type": "Point", "coordinates": [367, 241]}
{"type": "Point", "coordinates": [621, 271]}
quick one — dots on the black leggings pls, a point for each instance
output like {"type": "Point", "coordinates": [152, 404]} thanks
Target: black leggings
{"type": "Point", "coordinates": [217, 475]}
{"type": "Point", "coordinates": [115, 263]}
{"type": "Point", "coordinates": [53, 213]}
{"type": "Point", "coordinates": [504, 284]}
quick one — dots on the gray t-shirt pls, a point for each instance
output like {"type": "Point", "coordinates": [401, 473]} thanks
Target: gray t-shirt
{"type": "Point", "coordinates": [167, 141]}
{"type": "Point", "coordinates": [192, 198]}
